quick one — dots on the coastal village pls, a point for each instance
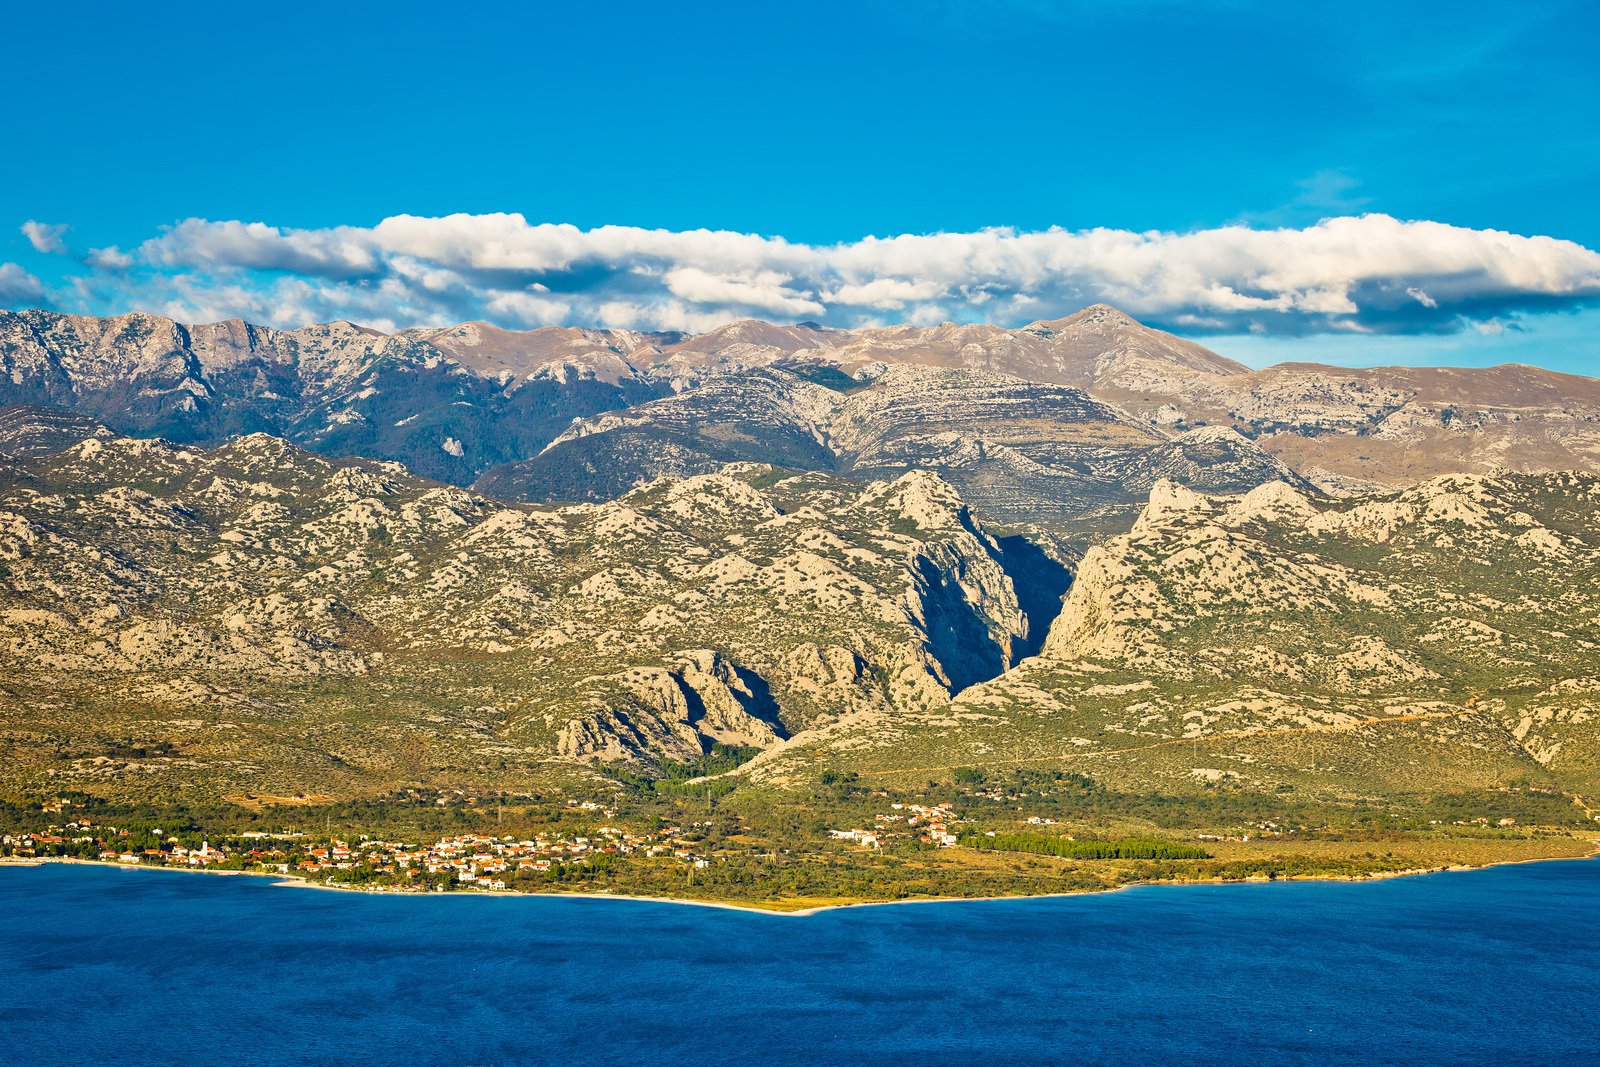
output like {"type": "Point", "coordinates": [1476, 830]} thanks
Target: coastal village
{"type": "Point", "coordinates": [464, 861]}
{"type": "Point", "coordinates": [928, 824]}
{"type": "Point", "coordinates": [852, 843]}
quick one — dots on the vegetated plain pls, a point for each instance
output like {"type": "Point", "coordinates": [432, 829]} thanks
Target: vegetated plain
{"type": "Point", "coordinates": [777, 851]}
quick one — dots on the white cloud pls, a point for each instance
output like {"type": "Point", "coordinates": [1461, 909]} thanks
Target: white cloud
{"type": "Point", "coordinates": [1351, 274]}
{"type": "Point", "coordinates": [341, 252]}
{"type": "Point", "coordinates": [45, 237]}
{"type": "Point", "coordinates": [110, 258]}
{"type": "Point", "coordinates": [760, 290]}
{"type": "Point", "coordinates": [18, 288]}
{"type": "Point", "coordinates": [889, 294]}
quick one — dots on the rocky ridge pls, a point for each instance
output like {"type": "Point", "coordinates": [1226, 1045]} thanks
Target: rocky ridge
{"type": "Point", "coordinates": [454, 402]}
{"type": "Point", "coordinates": [1445, 635]}
{"type": "Point", "coordinates": [1022, 451]}
{"type": "Point", "coordinates": [338, 389]}
{"type": "Point", "coordinates": [349, 622]}
{"type": "Point", "coordinates": [279, 622]}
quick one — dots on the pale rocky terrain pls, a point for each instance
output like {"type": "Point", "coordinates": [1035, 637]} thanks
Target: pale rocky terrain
{"type": "Point", "coordinates": [290, 623]}
{"type": "Point", "coordinates": [257, 619]}
{"type": "Point", "coordinates": [1354, 430]}
{"type": "Point", "coordinates": [338, 389]}
{"type": "Point", "coordinates": [1446, 635]}
{"type": "Point", "coordinates": [847, 549]}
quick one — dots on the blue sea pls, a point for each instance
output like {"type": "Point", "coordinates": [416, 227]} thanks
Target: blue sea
{"type": "Point", "coordinates": [104, 966]}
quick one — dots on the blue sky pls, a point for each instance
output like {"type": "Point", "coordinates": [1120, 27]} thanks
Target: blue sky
{"type": "Point", "coordinates": [138, 133]}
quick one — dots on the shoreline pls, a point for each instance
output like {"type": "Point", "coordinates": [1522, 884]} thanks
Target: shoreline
{"type": "Point", "coordinates": [290, 881]}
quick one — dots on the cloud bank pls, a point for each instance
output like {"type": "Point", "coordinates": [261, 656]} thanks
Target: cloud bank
{"type": "Point", "coordinates": [1356, 274]}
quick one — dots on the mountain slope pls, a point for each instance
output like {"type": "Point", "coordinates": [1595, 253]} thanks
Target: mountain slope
{"type": "Point", "coordinates": [283, 623]}
{"type": "Point", "coordinates": [255, 618]}
{"type": "Point", "coordinates": [338, 389]}
{"type": "Point", "coordinates": [453, 403]}
{"type": "Point", "coordinates": [555, 350]}
{"type": "Point", "coordinates": [1441, 637]}
{"type": "Point", "coordinates": [1401, 424]}
{"type": "Point", "coordinates": [35, 430]}
{"type": "Point", "coordinates": [1021, 450]}
{"type": "Point", "coordinates": [1096, 348]}
{"type": "Point", "coordinates": [761, 416]}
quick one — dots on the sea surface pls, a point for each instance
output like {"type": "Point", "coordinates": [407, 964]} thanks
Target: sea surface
{"type": "Point", "coordinates": [107, 966]}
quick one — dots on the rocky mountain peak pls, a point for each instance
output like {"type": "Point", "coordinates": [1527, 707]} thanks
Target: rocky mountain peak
{"type": "Point", "coordinates": [1103, 315]}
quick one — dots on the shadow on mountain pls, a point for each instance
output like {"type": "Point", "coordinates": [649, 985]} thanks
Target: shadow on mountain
{"type": "Point", "coordinates": [38, 430]}
{"type": "Point", "coordinates": [956, 635]}
{"type": "Point", "coordinates": [762, 705]}
{"type": "Point", "coordinates": [1040, 582]}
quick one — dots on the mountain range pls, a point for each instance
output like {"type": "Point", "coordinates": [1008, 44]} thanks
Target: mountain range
{"type": "Point", "coordinates": [335, 560]}
{"type": "Point", "coordinates": [1048, 420]}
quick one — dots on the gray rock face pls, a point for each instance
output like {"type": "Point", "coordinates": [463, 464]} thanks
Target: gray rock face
{"type": "Point", "coordinates": [1434, 638]}
{"type": "Point", "coordinates": [764, 416]}
{"type": "Point", "coordinates": [296, 621]}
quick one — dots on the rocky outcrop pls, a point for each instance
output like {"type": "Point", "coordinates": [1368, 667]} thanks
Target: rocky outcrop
{"type": "Point", "coordinates": [322, 618]}
{"type": "Point", "coordinates": [1198, 560]}
{"type": "Point", "coordinates": [1420, 641]}
{"type": "Point", "coordinates": [727, 703]}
